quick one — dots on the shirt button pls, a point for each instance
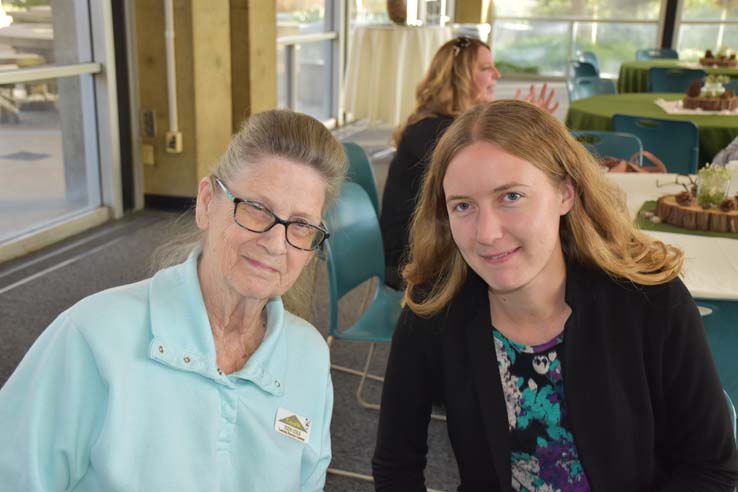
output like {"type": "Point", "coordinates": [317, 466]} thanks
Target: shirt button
{"type": "Point", "coordinates": [161, 349]}
{"type": "Point", "coordinates": [277, 383]}
{"type": "Point", "coordinates": [186, 359]}
{"type": "Point", "coordinates": [220, 371]}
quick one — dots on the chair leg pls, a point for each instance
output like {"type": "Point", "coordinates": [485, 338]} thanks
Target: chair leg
{"type": "Point", "coordinates": [344, 473]}
{"type": "Point", "coordinates": [349, 370]}
{"type": "Point", "coordinates": [364, 375]}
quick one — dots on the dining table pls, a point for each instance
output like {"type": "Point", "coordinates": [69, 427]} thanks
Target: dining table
{"type": "Point", "coordinates": [710, 270]}
{"type": "Point", "coordinates": [716, 131]}
{"type": "Point", "coordinates": [633, 76]}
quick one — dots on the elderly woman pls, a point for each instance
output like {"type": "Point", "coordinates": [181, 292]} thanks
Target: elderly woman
{"type": "Point", "coordinates": [197, 379]}
{"type": "Point", "coordinates": [568, 353]}
{"type": "Point", "coordinates": [461, 75]}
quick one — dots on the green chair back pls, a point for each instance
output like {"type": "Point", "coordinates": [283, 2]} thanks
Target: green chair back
{"type": "Point", "coordinates": [612, 144]}
{"type": "Point", "coordinates": [354, 254]}
{"type": "Point", "coordinates": [676, 143]}
{"type": "Point", "coordinates": [583, 87]}
{"type": "Point", "coordinates": [664, 79]}
{"type": "Point", "coordinates": [360, 171]}
{"type": "Point", "coordinates": [657, 54]}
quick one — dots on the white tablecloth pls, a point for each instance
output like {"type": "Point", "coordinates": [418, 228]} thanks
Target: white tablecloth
{"type": "Point", "coordinates": [385, 65]}
{"type": "Point", "coordinates": [711, 263]}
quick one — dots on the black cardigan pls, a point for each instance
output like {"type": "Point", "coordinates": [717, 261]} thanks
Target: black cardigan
{"type": "Point", "coordinates": [646, 407]}
{"type": "Point", "coordinates": [403, 185]}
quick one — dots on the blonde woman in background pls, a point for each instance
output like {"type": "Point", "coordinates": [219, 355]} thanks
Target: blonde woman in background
{"type": "Point", "coordinates": [196, 379]}
{"type": "Point", "coordinates": [567, 352]}
{"type": "Point", "coordinates": [461, 75]}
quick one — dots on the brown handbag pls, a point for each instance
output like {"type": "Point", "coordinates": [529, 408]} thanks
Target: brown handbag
{"type": "Point", "coordinates": [616, 165]}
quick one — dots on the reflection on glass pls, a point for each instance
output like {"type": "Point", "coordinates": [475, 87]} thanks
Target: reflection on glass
{"type": "Point", "coordinates": [366, 12]}
{"type": "Point", "coordinates": [531, 47]}
{"type": "Point", "coordinates": [313, 83]}
{"type": "Point", "coordinates": [300, 17]}
{"type": "Point", "coordinates": [695, 39]}
{"type": "Point", "coordinates": [614, 43]}
{"type": "Point", "coordinates": [282, 77]}
{"type": "Point", "coordinates": [43, 165]}
{"type": "Point", "coordinates": [604, 9]}
{"type": "Point", "coordinates": [710, 9]}
{"type": "Point", "coordinates": [33, 34]}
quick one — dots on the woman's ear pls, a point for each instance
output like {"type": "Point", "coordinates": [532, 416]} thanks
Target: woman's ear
{"type": "Point", "coordinates": [568, 191]}
{"type": "Point", "coordinates": [204, 202]}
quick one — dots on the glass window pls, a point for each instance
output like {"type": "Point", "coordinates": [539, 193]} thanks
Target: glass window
{"type": "Point", "coordinates": [613, 43]}
{"type": "Point", "coordinates": [604, 9]}
{"type": "Point", "coordinates": [46, 172]}
{"type": "Point", "coordinates": [696, 35]}
{"type": "Point", "coordinates": [531, 47]}
{"type": "Point", "coordinates": [525, 41]}
{"type": "Point", "coordinates": [301, 17]}
{"type": "Point", "coordinates": [365, 12]}
{"type": "Point", "coordinates": [709, 10]}
{"type": "Point", "coordinates": [313, 83]}
{"type": "Point", "coordinates": [282, 77]}
{"type": "Point", "coordinates": [32, 34]}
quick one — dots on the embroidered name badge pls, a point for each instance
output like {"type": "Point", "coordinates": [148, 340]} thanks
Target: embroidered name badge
{"type": "Point", "coordinates": [292, 425]}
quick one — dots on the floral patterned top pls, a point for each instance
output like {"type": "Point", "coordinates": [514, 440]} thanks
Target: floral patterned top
{"type": "Point", "coordinates": [544, 457]}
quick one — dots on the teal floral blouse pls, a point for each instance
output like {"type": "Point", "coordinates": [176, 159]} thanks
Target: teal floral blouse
{"type": "Point", "coordinates": [544, 456]}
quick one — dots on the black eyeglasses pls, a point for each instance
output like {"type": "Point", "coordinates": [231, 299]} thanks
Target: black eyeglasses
{"type": "Point", "coordinates": [256, 217]}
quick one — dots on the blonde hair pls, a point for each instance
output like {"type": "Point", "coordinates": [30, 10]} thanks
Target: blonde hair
{"type": "Point", "coordinates": [596, 232]}
{"type": "Point", "coordinates": [284, 133]}
{"type": "Point", "coordinates": [448, 85]}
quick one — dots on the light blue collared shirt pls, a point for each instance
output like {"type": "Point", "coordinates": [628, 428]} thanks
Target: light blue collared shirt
{"type": "Point", "coordinates": [122, 393]}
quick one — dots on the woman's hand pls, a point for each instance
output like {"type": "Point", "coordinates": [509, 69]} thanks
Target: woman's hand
{"type": "Point", "coordinates": [543, 100]}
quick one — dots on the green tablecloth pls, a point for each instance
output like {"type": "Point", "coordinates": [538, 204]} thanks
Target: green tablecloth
{"type": "Point", "coordinates": [595, 113]}
{"type": "Point", "coordinates": [634, 75]}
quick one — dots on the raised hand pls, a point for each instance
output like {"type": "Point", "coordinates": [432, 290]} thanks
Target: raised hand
{"type": "Point", "coordinates": [543, 99]}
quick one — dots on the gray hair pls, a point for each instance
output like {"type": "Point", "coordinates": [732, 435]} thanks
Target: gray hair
{"type": "Point", "coordinates": [283, 133]}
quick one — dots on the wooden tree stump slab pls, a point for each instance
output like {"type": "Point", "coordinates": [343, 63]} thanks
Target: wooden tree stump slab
{"type": "Point", "coordinates": [695, 217]}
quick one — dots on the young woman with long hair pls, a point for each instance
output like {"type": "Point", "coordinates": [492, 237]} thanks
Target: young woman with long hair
{"type": "Point", "coordinates": [566, 350]}
{"type": "Point", "coordinates": [461, 75]}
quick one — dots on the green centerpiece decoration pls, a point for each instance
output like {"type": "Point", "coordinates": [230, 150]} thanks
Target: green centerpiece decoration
{"type": "Point", "coordinates": [712, 185]}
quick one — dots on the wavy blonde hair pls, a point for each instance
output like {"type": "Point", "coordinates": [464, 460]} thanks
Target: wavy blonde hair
{"type": "Point", "coordinates": [597, 231]}
{"type": "Point", "coordinates": [448, 85]}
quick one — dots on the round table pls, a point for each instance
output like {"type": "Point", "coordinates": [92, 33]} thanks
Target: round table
{"type": "Point", "coordinates": [634, 74]}
{"type": "Point", "coordinates": [384, 67]}
{"type": "Point", "coordinates": [595, 113]}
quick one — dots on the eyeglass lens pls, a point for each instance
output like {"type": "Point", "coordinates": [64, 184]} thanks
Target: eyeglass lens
{"type": "Point", "coordinates": [257, 218]}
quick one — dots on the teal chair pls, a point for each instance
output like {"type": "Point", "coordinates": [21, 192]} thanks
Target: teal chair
{"type": "Point", "coordinates": [676, 143]}
{"type": "Point", "coordinates": [583, 69]}
{"type": "Point", "coordinates": [589, 57]}
{"type": "Point", "coordinates": [665, 79]}
{"type": "Point", "coordinates": [583, 87]}
{"type": "Point", "coordinates": [720, 319]}
{"type": "Point", "coordinates": [731, 85]}
{"type": "Point", "coordinates": [657, 54]}
{"type": "Point", "coordinates": [354, 254]}
{"type": "Point", "coordinates": [731, 409]}
{"type": "Point", "coordinates": [361, 172]}
{"type": "Point", "coordinates": [611, 144]}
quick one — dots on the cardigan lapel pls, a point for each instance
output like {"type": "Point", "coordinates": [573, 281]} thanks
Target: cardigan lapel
{"type": "Point", "coordinates": [477, 324]}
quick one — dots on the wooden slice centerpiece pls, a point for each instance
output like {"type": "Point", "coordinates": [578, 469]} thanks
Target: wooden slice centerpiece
{"type": "Point", "coordinates": [693, 216]}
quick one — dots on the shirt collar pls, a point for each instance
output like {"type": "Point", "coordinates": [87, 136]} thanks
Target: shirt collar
{"type": "Point", "coordinates": [182, 337]}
